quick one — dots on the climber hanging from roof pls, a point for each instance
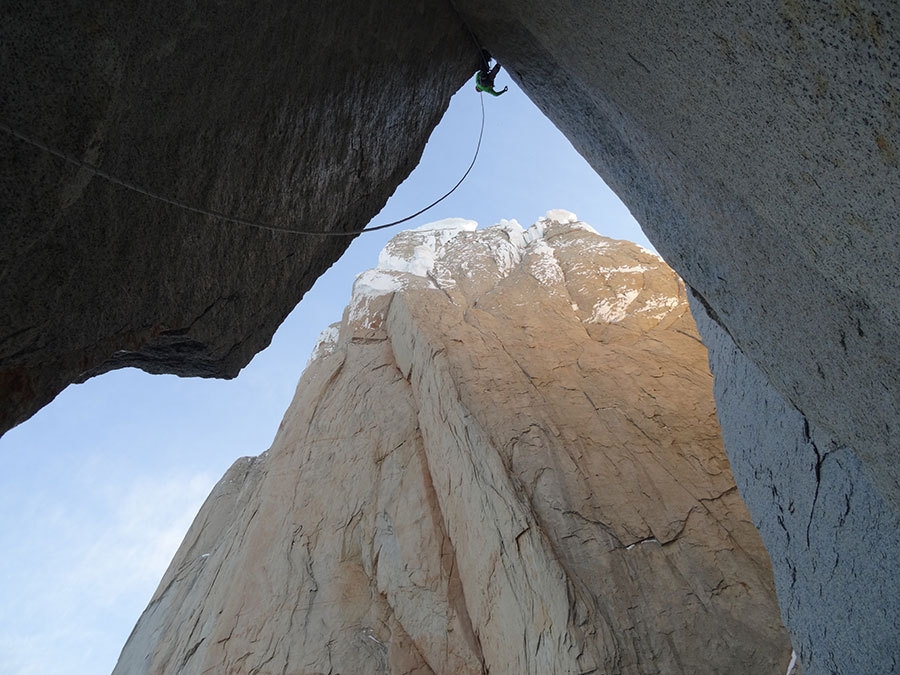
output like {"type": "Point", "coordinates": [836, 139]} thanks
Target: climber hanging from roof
{"type": "Point", "coordinates": [484, 79]}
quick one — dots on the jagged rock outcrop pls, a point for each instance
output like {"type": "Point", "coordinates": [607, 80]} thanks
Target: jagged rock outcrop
{"type": "Point", "coordinates": [504, 459]}
{"type": "Point", "coordinates": [290, 113]}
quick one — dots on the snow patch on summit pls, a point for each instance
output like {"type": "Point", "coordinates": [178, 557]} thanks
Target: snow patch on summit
{"type": "Point", "coordinates": [564, 217]}
{"type": "Point", "coordinates": [446, 252]}
{"type": "Point", "coordinates": [535, 232]}
{"type": "Point", "coordinates": [543, 265]}
{"type": "Point", "coordinates": [412, 253]}
{"type": "Point", "coordinates": [561, 216]}
{"type": "Point", "coordinates": [415, 251]}
{"type": "Point", "coordinates": [508, 242]}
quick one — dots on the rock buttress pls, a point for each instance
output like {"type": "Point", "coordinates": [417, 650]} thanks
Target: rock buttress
{"type": "Point", "coordinates": [292, 113]}
{"type": "Point", "coordinates": [504, 459]}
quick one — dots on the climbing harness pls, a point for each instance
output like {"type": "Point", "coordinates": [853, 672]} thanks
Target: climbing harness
{"type": "Point", "coordinates": [271, 227]}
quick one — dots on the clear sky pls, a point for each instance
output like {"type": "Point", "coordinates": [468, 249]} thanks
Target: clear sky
{"type": "Point", "coordinates": [99, 487]}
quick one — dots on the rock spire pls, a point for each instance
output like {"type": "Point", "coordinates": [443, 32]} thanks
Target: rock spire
{"type": "Point", "coordinates": [503, 459]}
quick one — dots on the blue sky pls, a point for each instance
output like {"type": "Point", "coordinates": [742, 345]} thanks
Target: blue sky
{"type": "Point", "coordinates": [99, 487]}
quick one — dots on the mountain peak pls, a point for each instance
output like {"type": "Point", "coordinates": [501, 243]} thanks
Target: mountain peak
{"type": "Point", "coordinates": [565, 257]}
{"type": "Point", "coordinates": [504, 459]}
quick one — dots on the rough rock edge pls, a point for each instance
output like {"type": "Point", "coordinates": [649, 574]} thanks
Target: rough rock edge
{"type": "Point", "coordinates": [829, 533]}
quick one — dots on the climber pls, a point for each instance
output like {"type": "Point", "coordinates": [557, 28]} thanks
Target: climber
{"type": "Point", "coordinates": [484, 79]}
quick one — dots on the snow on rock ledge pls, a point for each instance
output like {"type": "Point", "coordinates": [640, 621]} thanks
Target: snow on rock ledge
{"type": "Point", "coordinates": [326, 343]}
{"type": "Point", "coordinates": [559, 252]}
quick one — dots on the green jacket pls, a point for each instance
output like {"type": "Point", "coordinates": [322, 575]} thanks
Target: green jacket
{"type": "Point", "coordinates": [487, 87]}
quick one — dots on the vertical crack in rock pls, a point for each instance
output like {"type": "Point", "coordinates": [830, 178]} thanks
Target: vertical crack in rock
{"type": "Point", "coordinates": [830, 534]}
{"type": "Point", "coordinates": [474, 477]}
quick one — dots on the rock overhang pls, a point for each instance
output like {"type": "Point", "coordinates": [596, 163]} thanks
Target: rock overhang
{"type": "Point", "coordinates": [291, 114]}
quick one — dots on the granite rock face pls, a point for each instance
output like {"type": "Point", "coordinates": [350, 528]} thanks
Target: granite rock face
{"type": "Point", "coordinates": [832, 539]}
{"type": "Point", "coordinates": [757, 144]}
{"type": "Point", "coordinates": [284, 113]}
{"type": "Point", "coordinates": [504, 459]}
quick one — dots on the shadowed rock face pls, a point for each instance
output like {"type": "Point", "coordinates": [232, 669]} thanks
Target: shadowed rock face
{"type": "Point", "coordinates": [277, 112]}
{"type": "Point", "coordinates": [505, 459]}
{"type": "Point", "coordinates": [832, 539]}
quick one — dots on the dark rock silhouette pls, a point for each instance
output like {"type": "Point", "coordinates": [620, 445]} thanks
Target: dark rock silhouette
{"type": "Point", "coordinates": [292, 113]}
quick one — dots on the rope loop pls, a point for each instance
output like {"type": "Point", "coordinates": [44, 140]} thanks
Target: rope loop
{"type": "Point", "coordinates": [212, 213]}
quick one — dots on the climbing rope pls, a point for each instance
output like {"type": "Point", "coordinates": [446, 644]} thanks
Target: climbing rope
{"type": "Point", "coordinates": [271, 227]}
